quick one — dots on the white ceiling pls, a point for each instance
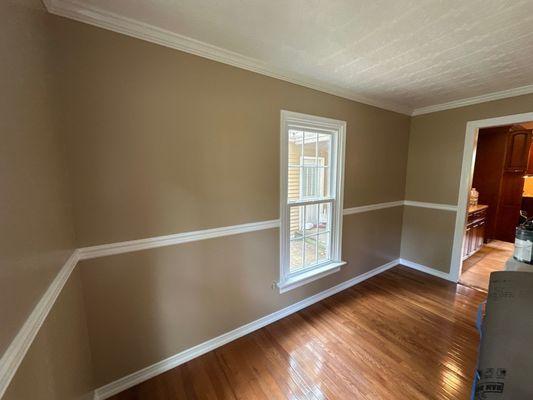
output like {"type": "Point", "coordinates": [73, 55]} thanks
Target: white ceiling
{"type": "Point", "coordinates": [400, 54]}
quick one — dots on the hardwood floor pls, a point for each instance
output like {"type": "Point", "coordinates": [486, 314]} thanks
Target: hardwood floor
{"type": "Point", "coordinates": [491, 257]}
{"type": "Point", "coordinates": [400, 335]}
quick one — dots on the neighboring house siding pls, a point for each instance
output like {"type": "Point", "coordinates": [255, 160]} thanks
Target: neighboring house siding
{"type": "Point", "coordinates": [294, 184]}
{"type": "Point", "coordinates": [294, 178]}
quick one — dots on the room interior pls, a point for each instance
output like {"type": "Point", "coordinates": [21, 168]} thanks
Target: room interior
{"type": "Point", "coordinates": [201, 205]}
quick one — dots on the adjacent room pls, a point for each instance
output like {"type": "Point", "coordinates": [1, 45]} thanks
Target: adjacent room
{"type": "Point", "coordinates": [266, 199]}
{"type": "Point", "coordinates": [499, 200]}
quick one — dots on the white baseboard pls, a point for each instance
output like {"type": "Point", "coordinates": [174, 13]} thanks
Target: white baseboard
{"type": "Point", "coordinates": [144, 374]}
{"type": "Point", "coordinates": [18, 348]}
{"type": "Point", "coordinates": [427, 270]}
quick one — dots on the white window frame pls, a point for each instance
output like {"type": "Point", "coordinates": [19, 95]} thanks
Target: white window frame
{"type": "Point", "coordinates": [337, 129]}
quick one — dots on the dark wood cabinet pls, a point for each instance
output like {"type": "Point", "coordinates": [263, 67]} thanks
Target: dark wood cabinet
{"type": "Point", "coordinates": [502, 160]}
{"type": "Point", "coordinates": [518, 141]}
{"type": "Point", "coordinates": [529, 170]}
{"type": "Point", "coordinates": [509, 206]}
{"type": "Point", "coordinates": [475, 230]}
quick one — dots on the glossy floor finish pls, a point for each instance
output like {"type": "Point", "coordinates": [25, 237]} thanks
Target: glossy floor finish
{"type": "Point", "coordinates": [400, 335]}
{"type": "Point", "coordinates": [490, 258]}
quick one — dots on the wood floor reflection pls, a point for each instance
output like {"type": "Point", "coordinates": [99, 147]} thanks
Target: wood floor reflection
{"type": "Point", "coordinates": [400, 335]}
{"type": "Point", "coordinates": [490, 258]}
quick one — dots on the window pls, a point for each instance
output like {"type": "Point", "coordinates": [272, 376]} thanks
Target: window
{"type": "Point", "coordinates": [312, 161]}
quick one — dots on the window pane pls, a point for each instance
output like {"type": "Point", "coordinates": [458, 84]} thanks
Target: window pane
{"type": "Point", "coordinates": [324, 217]}
{"type": "Point", "coordinates": [296, 255]}
{"type": "Point", "coordinates": [310, 148]}
{"type": "Point", "coordinates": [309, 188]}
{"type": "Point", "coordinates": [296, 217]}
{"type": "Point", "coordinates": [323, 182]}
{"type": "Point", "coordinates": [309, 235]}
{"type": "Point", "coordinates": [324, 147]}
{"type": "Point", "coordinates": [310, 250]}
{"type": "Point", "coordinates": [295, 146]}
{"type": "Point", "coordinates": [314, 180]}
{"type": "Point", "coordinates": [311, 219]}
{"type": "Point", "coordinates": [308, 176]}
{"type": "Point", "coordinates": [293, 183]}
{"type": "Point", "coordinates": [323, 247]}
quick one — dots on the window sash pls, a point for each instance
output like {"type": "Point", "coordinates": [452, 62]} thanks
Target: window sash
{"type": "Point", "coordinates": [315, 235]}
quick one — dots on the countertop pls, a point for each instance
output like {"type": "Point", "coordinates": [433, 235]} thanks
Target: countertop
{"type": "Point", "coordinates": [479, 207]}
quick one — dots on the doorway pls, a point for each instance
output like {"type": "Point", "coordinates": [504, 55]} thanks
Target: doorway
{"type": "Point", "coordinates": [496, 158]}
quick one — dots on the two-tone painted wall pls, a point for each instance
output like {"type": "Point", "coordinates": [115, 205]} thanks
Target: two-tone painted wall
{"type": "Point", "coordinates": [36, 230]}
{"type": "Point", "coordinates": [143, 141]}
{"type": "Point", "coordinates": [159, 142]}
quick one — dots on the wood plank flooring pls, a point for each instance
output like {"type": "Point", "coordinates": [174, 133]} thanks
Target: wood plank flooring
{"type": "Point", "coordinates": [400, 335]}
{"type": "Point", "coordinates": [478, 267]}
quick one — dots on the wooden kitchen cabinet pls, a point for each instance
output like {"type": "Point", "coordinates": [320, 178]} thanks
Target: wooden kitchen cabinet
{"type": "Point", "coordinates": [529, 170]}
{"type": "Point", "coordinates": [475, 230]}
{"type": "Point", "coordinates": [517, 156]}
{"type": "Point", "coordinates": [502, 159]}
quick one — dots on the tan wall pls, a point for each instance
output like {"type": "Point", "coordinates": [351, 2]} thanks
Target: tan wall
{"type": "Point", "coordinates": [427, 237]}
{"type": "Point", "coordinates": [36, 230]}
{"type": "Point", "coordinates": [436, 144]}
{"type": "Point", "coordinates": [146, 306]}
{"type": "Point", "coordinates": [160, 142]}
{"type": "Point", "coordinates": [58, 363]}
{"type": "Point", "coordinates": [164, 142]}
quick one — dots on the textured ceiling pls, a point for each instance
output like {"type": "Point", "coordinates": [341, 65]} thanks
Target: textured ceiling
{"type": "Point", "coordinates": [412, 53]}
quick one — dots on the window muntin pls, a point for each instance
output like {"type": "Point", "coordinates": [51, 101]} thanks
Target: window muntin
{"type": "Point", "coordinates": [311, 198]}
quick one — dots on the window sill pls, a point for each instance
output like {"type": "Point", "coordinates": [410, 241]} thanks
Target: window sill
{"type": "Point", "coordinates": [310, 276]}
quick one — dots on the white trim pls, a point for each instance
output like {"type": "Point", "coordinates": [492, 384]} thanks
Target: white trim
{"type": "Point", "coordinates": [467, 171]}
{"type": "Point", "coordinates": [372, 207]}
{"type": "Point", "coordinates": [309, 276]}
{"type": "Point", "coordinates": [18, 348]}
{"type": "Point", "coordinates": [16, 351]}
{"type": "Point", "coordinates": [436, 206]}
{"type": "Point", "coordinates": [104, 19]}
{"type": "Point", "coordinates": [144, 374]}
{"type": "Point", "coordinates": [185, 237]}
{"type": "Point", "coordinates": [427, 270]}
{"type": "Point", "coordinates": [474, 100]}
{"type": "Point", "coordinates": [337, 130]}
{"type": "Point", "coordinates": [170, 240]}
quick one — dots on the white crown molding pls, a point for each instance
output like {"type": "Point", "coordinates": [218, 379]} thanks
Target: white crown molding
{"type": "Point", "coordinates": [144, 374]}
{"type": "Point", "coordinates": [95, 16]}
{"type": "Point", "coordinates": [474, 100]}
{"type": "Point", "coordinates": [170, 240]}
{"type": "Point", "coordinates": [18, 348]}
{"type": "Point", "coordinates": [435, 206]}
{"type": "Point", "coordinates": [427, 270]}
{"type": "Point", "coordinates": [372, 207]}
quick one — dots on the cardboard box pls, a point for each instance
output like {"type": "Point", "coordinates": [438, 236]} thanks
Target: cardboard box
{"type": "Point", "coordinates": [505, 369]}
